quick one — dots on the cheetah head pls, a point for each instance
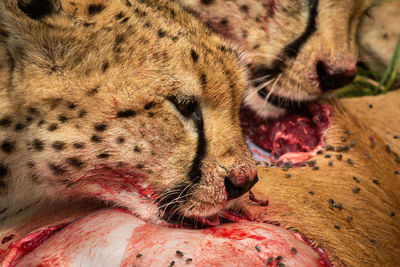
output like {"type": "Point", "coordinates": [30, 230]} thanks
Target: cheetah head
{"type": "Point", "coordinates": [298, 50]}
{"type": "Point", "coordinates": [134, 103]}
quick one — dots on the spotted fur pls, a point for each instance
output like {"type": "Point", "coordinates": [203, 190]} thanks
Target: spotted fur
{"type": "Point", "coordinates": [132, 102]}
{"type": "Point", "coordinates": [297, 50]}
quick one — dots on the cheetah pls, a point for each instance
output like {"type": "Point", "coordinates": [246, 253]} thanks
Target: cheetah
{"type": "Point", "coordinates": [133, 103]}
{"type": "Point", "coordinates": [297, 50]}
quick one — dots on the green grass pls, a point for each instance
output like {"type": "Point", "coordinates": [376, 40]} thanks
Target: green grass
{"type": "Point", "coordinates": [368, 82]}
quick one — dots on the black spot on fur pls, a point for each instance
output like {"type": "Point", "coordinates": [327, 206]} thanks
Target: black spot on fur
{"type": "Point", "coordinates": [120, 140]}
{"type": "Point", "coordinates": [19, 127]}
{"type": "Point", "coordinates": [87, 24]}
{"type": "Point", "coordinates": [140, 166]}
{"type": "Point", "coordinates": [224, 21]}
{"type": "Point", "coordinates": [52, 127]}
{"type": "Point", "coordinates": [137, 149]}
{"type": "Point", "coordinates": [8, 146]}
{"type": "Point", "coordinates": [33, 110]}
{"type": "Point", "coordinates": [148, 105]}
{"type": "Point", "coordinates": [75, 162]}
{"type": "Point", "coordinates": [6, 121]}
{"type": "Point", "coordinates": [31, 164]}
{"type": "Point", "coordinates": [244, 8]}
{"type": "Point", "coordinates": [57, 169]}
{"type": "Point", "coordinates": [4, 33]}
{"type": "Point", "coordinates": [117, 49]}
{"type": "Point", "coordinates": [79, 145]}
{"type": "Point", "coordinates": [203, 80]}
{"type": "Point", "coordinates": [40, 123]}
{"type": "Point", "coordinates": [62, 118]}
{"type": "Point", "coordinates": [94, 9]}
{"type": "Point", "coordinates": [161, 33]}
{"type": "Point", "coordinates": [140, 12]}
{"type": "Point", "coordinates": [100, 127]}
{"type": "Point", "coordinates": [147, 24]}
{"type": "Point", "coordinates": [103, 155]}
{"type": "Point", "coordinates": [35, 178]}
{"type": "Point", "coordinates": [194, 55]}
{"type": "Point", "coordinates": [36, 9]}
{"type": "Point", "coordinates": [71, 106]}
{"type": "Point", "coordinates": [119, 15]}
{"type": "Point", "coordinates": [223, 48]}
{"type": "Point", "coordinates": [3, 173]}
{"type": "Point", "coordinates": [93, 91]}
{"type": "Point", "coordinates": [124, 20]}
{"type": "Point", "coordinates": [105, 66]}
{"type": "Point", "coordinates": [126, 113]}
{"type": "Point", "coordinates": [127, 3]}
{"type": "Point", "coordinates": [55, 102]}
{"type": "Point", "coordinates": [38, 145]}
{"type": "Point", "coordinates": [82, 113]}
{"type": "Point", "coordinates": [206, 2]}
{"type": "Point", "coordinates": [58, 145]}
{"type": "Point", "coordinates": [119, 38]}
{"type": "Point", "coordinates": [95, 139]}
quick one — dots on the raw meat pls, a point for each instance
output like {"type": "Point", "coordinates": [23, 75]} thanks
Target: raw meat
{"type": "Point", "coordinates": [294, 138]}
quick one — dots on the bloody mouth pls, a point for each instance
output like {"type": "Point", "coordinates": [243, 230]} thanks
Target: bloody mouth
{"type": "Point", "coordinates": [289, 140]}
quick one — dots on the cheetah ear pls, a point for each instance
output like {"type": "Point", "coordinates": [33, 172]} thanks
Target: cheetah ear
{"type": "Point", "coordinates": [38, 9]}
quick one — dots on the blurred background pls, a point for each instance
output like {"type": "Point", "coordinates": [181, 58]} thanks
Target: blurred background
{"type": "Point", "coordinates": [379, 41]}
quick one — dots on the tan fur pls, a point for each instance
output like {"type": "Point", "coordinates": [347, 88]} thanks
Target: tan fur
{"type": "Point", "coordinates": [381, 114]}
{"type": "Point", "coordinates": [265, 28]}
{"type": "Point", "coordinates": [292, 206]}
{"type": "Point", "coordinates": [66, 78]}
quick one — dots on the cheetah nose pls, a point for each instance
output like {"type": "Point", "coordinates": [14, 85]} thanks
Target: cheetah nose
{"type": "Point", "coordinates": [235, 191]}
{"type": "Point", "coordinates": [331, 78]}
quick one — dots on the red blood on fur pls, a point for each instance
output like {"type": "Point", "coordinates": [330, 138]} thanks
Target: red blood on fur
{"type": "Point", "coordinates": [324, 260]}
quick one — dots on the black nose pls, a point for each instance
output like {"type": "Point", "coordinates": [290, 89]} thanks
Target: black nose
{"type": "Point", "coordinates": [236, 191]}
{"type": "Point", "coordinates": [333, 78]}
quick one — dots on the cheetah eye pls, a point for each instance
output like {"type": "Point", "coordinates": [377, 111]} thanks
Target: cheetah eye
{"type": "Point", "coordinates": [187, 107]}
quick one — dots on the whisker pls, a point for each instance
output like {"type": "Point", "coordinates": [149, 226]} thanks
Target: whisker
{"type": "Point", "coordinates": [263, 55]}
{"type": "Point", "coordinates": [264, 84]}
{"type": "Point", "coordinates": [259, 78]}
{"type": "Point", "coordinates": [186, 212]}
{"type": "Point", "coordinates": [165, 195]}
{"type": "Point", "coordinates": [273, 87]}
